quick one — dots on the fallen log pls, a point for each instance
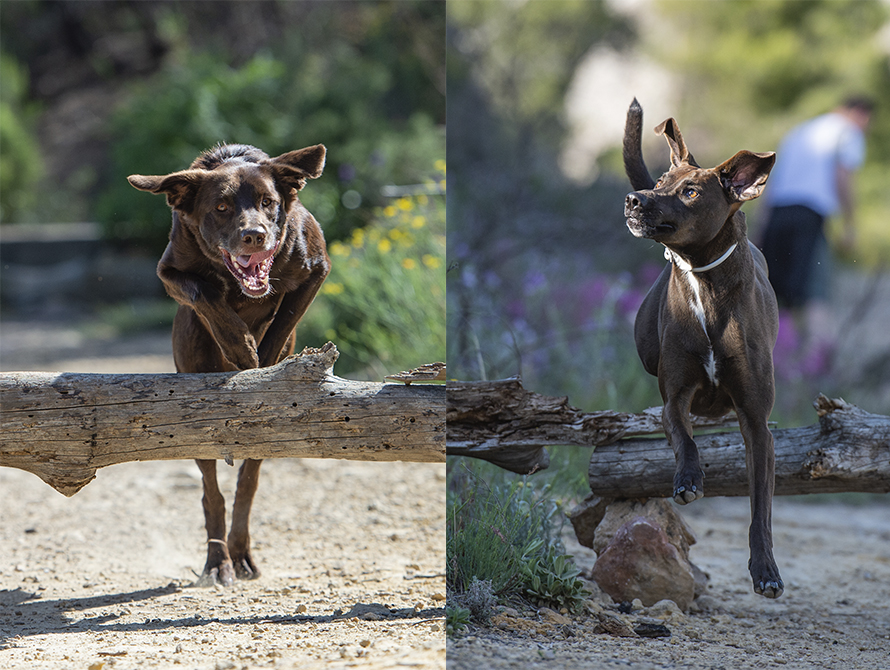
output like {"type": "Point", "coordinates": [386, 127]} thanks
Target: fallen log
{"type": "Point", "coordinates": [503, 423]}
{"type": "Point", "coordinates": [848, 450]}
{"type": "Point", "coordinates": [64, 426]}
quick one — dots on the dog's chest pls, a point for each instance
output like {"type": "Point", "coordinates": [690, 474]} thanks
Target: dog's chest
{"type": "Point", "coordinates": [697, 308]}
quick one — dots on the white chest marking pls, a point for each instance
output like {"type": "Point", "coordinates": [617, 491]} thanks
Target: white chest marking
{"type": "Point", "coordinates": [695, 304]}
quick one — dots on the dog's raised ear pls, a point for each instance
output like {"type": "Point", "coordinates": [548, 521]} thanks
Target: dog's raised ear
{"type": "Point", "coordinates": [295, 167]}
{"type": "Point", "coordinates": [744, 175]}
{"type": "Point", "coordinates": [679, 153]}
{"type": "Point", "coordinates": [179, 187]}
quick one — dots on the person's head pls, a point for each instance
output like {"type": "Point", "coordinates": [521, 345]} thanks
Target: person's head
{"type": "Point", "coordinates": [858, 109]}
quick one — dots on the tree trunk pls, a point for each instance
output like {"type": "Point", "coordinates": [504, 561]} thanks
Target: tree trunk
{"type": "Point", "coordinates": [63, 426]}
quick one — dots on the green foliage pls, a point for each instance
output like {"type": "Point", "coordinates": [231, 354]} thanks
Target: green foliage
{"type": "Point", "coordinates": [508, 535]}
{"type": "Point", "coordinates": [456, 619]}
{"type": "Point", "coordinates": [334, 100]}
{"type": "Point", "coordinates": [21, 165]}
{"type": "Point", "coordinates": [551, 578]}
{"type": "Point", "coordinates": [383, 303]}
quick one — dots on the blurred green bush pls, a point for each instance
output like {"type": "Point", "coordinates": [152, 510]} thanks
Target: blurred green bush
{"type": "Point", "coordinates": [192, 105]}
{"type": "Point", "coordinates": [21, 166]}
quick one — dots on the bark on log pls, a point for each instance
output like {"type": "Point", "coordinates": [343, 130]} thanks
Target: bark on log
{"type": "Point", "coordinates": [501, 422]}
{"type": "Point", "coordinates": [63, 426]}
{"type": "Point", "coordinates": [847, 451]}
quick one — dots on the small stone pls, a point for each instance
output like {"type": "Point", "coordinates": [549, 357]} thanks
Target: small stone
{"type": "Point", "coordinates": [610, 624]}
{"type": "Point", "coordinates": [550, 616]}
{"type": "Point", "coordinates": [301, 609]}
{"type": "Point", "coordinates": [652, 630]}
{"type": "Point", "coordinates": [365, 643]}
{"type": "Point", "coordinates": [666, 610]}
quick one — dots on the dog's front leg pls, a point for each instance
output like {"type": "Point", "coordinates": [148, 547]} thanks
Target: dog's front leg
{"type": "Point", "coordinates": [688, 478]}
{"type": "Point", "coordinates": [292, 308]}
{"type": "Point", "coordinates": [761, 465]}
{"type": "Point", "coordinates": [229, 331]}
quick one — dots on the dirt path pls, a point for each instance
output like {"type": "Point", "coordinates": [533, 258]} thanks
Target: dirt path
{"type": "Point", "coordinates": [835, 612]}
{"type": "Point", "coordinates": [352, 555]}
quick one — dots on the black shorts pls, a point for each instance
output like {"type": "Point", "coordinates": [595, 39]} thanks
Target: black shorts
{"type": "Point", "coordinates": [797, 253]}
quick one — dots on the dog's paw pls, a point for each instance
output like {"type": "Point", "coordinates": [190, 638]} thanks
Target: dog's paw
{"type": "Point", "coordinates": [684, 495]}
{"type": "Point", "coordinates": [772, 588]}
{"type": "Point", "coordinates": [223, 575]}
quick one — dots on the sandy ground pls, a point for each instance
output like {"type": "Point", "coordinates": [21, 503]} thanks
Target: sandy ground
{"type": "Point", "coordinates": [352, 555]}
{"type": "Point", "coordinates": [835, 613]}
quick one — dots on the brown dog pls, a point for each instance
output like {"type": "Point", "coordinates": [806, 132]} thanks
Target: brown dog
{"type": "Point", "coordinates": [707, 327]}
{"type": "Point", "coordinates": [245, 260]}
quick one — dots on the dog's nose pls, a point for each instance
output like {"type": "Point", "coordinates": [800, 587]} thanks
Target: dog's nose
{"type": "Point", "coordinates": [253, 238]}
{"type": "Point", "coordinates": [633, 202]}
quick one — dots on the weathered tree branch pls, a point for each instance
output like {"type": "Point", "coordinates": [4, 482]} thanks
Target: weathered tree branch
{"type": "Point", "coordinates": [501, 422]}
{"type": "Point", "coordinates": [847, 451]}
{"type": "Point", "coordinates": [63, 426]}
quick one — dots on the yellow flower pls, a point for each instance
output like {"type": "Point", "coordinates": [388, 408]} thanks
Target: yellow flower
{"type": "Point", "coordinates": [432, 262]}
{"type": "Point", "coordinates": [384, 246]}
{"type": "Point", "coordinates": [440, 165]}
{"type": "Point", "coordinates": [418, 222]}
{"type": "Point", "coordinates": [408, 263]}
{"type": "Point", "coordinates": [339, 249]}
{"type": "Point", "coordinates": [389, 211]}
{"type": "Point", "coordinates": [332, 288]}
{"type": "Point", "coordinates": [405, 204]}
{"type": "Point", "coordinates": [395, 234]}
{"type": "Point", "coordinates": [358, 238]}
{"type": "Point", "coordinates": [422, 200]}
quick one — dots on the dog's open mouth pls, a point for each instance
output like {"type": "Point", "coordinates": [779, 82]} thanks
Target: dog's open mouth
{"type": "Point", "coordinates": [251, 271]}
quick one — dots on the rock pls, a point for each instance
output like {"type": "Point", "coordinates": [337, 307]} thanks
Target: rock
{"type": "Point", "coordinates": [705, 603]}
{"type": "Point", "coordinates": [640, 562]}
{"type": "Point", "coordinates": [550, 616]}
{"type": "Point", "coordinates": [647, 629]}
{"type": "Point", "coordinates": [660, 511]}
{"type": "Point", "coordinates": [610, 624]}
{"type": "Point", "coordinates": [586, 517]}
{"type": "Point", "coordinates": [666, 610]}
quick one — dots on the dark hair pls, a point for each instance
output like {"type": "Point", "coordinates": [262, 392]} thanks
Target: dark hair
{"type": "Point", "coordinates": [860, 102]}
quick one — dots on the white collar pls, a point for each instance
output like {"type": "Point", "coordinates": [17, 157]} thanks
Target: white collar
{"type": "Point", "coordinates": [673, 257]}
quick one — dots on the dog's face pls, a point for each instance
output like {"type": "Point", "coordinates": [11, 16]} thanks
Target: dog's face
{"type": "Point", "coordinates": [689, 204]}
{"type": "Point", "coordinates": [237, 206]}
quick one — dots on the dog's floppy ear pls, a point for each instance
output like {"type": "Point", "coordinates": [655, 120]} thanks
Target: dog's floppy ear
{"type": "Point", "coordinates": [679, 153]}
{"type": "Point", "coordinates": [744, 175]}
{"type": "Point", "coordinates": [179, 187]}
{"type": "Point", "coordinates": [295, 167]}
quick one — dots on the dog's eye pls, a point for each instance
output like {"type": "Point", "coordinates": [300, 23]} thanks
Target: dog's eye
{"type": "Point", "coordinates": [691, 193]}
{"type": "Point", "coordinates": [222, 207]}
{"type": "Point", "coordinates": [267, 202]}
{"type": "Point", "coordinates": [658, 183]}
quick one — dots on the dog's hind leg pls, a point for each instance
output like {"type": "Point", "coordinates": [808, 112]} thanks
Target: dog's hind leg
{"type": "Point", "coordinates": [218, 567]}
{"type": "Point", "coordinates": [239, 535]}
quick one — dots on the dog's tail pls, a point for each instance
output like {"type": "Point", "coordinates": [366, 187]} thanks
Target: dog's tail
{"type": "Point", "coordinates": [634, 165]}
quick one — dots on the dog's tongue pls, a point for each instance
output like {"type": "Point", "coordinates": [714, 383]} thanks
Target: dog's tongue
{"type": "Point", "coordinates": [253, 260]}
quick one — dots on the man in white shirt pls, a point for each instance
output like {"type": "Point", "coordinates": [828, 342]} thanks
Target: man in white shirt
{"type": "Point", "coordinates": [811, 181]}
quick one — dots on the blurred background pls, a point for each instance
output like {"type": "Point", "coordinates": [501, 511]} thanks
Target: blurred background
{"type": "Point", "coordinates": [91, 92]}
{"type": "Point", "coordinates": [544, 278]}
